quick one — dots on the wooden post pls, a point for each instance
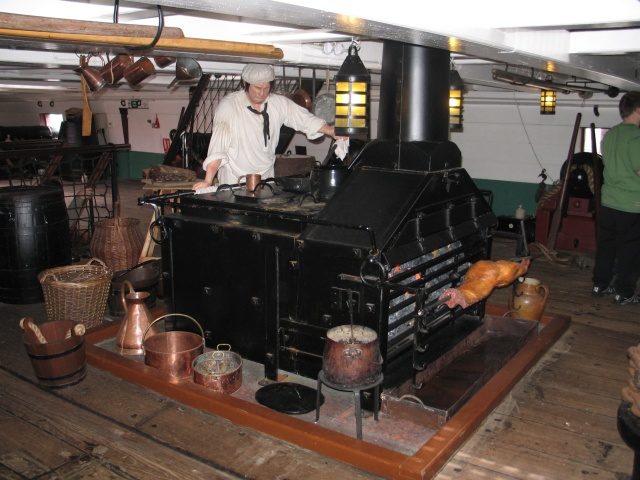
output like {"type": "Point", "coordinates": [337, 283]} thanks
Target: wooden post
{"type": "Point", "coordinates": [556, 221]}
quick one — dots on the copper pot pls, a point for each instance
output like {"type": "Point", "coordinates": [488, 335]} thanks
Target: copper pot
{"type": "Point", "coordinates": [352, 356]}
{"type": "Point", "coordinates": [113, 71]}
{"type": "Point", "coordinates": [219, 370]}
{"type": "Point", "coordinates": [138, 71]}
{"type": "Point", "coordinates": [173, 352]}
{"type": "Point", "coordinates": [162, 62]}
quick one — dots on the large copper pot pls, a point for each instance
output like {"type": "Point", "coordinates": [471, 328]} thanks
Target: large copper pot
{"type": "Point", "coordinates": [219, 370]}
{"type": "Point", "coordinates": [173, 352]}
{"type": "Point", "coordinates": [352, 356]}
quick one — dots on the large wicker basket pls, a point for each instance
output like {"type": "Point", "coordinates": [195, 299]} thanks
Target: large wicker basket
{"type": "Point", "coordinates": [117, 242]}
{"type": "Point", "coordinates": [77, 292]}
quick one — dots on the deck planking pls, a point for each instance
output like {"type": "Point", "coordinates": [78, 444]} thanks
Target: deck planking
{"type": "Point", "coordinates": [558, 422]}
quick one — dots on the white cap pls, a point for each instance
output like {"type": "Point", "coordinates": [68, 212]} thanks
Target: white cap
{"type": "Point", "coordinates": [258, 73]}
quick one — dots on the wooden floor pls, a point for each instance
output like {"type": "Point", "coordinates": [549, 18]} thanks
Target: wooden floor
{"type": "Point", "coordinates": [559, 422]}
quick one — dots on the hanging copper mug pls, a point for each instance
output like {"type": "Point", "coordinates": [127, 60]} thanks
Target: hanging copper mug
{"type": "Point", "coordinates": [528, 299]}
{"type": "Point", "coordinates": [138, 71]}
{"type": "Point", "coordinates": [137, 319]}
{"type": "Point", "coordinates": [113, 71]}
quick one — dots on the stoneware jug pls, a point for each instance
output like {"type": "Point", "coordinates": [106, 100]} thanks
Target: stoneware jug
{"type": "Point", "coordinates": [136, 321]}
{"type": "Point", "coordinates": [528, 299]}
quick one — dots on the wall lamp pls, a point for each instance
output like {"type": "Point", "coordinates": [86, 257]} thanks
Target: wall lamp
{"type": "Point", "coordinates": [548, 102]}
{"type": "Point", "coordinates": [352, 95]}
{"type": "Point", "coordinates": [456, 98]}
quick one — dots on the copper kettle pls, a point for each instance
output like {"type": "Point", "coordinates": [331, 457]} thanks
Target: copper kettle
{"type": "Point", "coordinates": [136, 321]}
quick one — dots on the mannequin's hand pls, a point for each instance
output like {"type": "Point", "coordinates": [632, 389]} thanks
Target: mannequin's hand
{"type": "Point", "coordinates": [199, 185]}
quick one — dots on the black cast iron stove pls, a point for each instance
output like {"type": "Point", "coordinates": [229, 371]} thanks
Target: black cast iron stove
{"type": "Point", "coordinates": [270, 276]}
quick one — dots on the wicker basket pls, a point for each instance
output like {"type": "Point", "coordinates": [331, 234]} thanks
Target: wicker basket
{"type": "Point", "coordinates": [117, 242]}
{"type": "Point", "coordinates": [76, 292]}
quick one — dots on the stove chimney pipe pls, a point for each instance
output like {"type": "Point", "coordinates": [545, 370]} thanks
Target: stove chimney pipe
{"type": "Point", "coordinates": [414, 93]}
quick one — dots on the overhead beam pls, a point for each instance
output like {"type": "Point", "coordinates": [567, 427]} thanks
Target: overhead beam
{"type": "Point", "coordinates": [57, 25]}
{"type": "Point", "coordinates": [182, 45]}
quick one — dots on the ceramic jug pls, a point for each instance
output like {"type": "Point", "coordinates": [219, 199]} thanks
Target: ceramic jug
{"type": "Point", "coordinates": [136, 321]}
{"type": "Point", "coordinates": [528, 299]}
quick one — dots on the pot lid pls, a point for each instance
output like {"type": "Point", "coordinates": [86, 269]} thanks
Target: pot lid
{"type": "Point", "coordinates": [289, 398]}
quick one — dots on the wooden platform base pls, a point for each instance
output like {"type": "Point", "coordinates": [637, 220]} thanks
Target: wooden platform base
{"type": "Point", "coordinates": [382, 461]}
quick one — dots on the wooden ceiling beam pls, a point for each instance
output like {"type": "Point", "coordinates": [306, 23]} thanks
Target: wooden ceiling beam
{"type": "Point", "coordinates": [58, 25]}
{"type": "Point", "coordinates": [183, 45]}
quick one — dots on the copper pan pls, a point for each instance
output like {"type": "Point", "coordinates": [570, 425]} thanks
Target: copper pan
{"type": "Point", "coordinates": [173, 352]}
{"type": "Point", "coordinates": [302, 98]}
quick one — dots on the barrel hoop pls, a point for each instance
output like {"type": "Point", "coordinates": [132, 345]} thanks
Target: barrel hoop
{"type": "Point", "coordinates": [62, 377]}
{"type": "Point", "coordinates": [57, 355]}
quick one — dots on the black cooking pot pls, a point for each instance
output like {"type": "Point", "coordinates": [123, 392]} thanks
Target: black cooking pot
{"type": "Point", "coordinates": [326, 178]}
{"type": "Point", "coordinates": [294, 183]}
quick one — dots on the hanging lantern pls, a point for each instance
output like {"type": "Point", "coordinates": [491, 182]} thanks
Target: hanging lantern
{"type": "Point", "coordinates": [456, 97]}
{"type": "Point", "coordinates": [547, 102]}
{"type": "Point", "coordinates": [352, 96]}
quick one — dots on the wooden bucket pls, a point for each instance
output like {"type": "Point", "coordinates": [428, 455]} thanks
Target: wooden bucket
{"type": "Point", "coordinates": [61, 361]}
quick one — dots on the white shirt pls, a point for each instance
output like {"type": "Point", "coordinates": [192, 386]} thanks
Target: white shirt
{"type": "Point", "coordinates": [237, 138]}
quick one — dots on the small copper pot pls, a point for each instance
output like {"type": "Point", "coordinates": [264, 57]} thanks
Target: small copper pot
{"type": "Point", "coordinates": [138, 71]}
{"type": "Point", "coordinates": [173, 352]}
{"type": "Point", "coordinates": [219, 370]}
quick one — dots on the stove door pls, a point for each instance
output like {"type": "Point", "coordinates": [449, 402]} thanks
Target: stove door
{"type": "Point", "coordinates": [217, 275]}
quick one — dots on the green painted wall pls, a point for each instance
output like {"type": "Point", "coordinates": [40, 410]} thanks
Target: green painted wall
{"type": "Point", "coordinates": [508, 195]}
{"type": "Point", "coordinates": [131, 164]}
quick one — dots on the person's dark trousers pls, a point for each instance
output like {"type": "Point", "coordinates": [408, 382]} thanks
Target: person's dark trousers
{"type": "Point", "coordinates": [618, 250]}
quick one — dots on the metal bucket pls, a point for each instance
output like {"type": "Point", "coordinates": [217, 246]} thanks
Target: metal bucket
{"type": "Point", "coordinates": [173, 352]}
{"type": "Point", "coordinates": [61, 361]}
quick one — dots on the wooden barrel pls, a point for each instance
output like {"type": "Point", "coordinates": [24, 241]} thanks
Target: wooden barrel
{"type": "Point", "coordinates": [61, 361]}
{"type": "Point", "coordinates": [34, 235]}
